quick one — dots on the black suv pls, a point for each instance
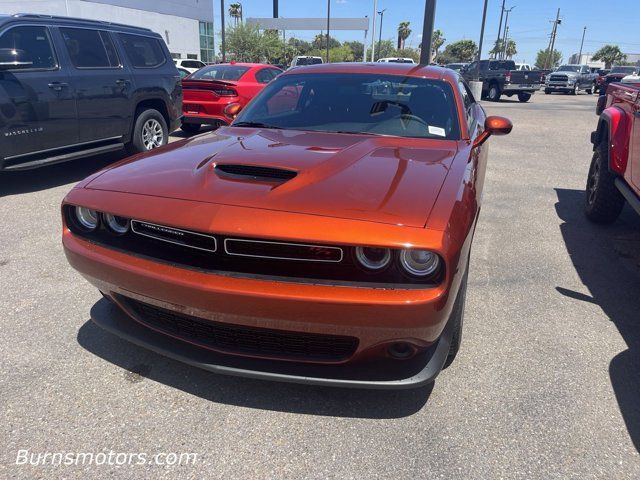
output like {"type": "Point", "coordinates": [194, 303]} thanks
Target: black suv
{"type": "Point", "coordinates": [72, 87]}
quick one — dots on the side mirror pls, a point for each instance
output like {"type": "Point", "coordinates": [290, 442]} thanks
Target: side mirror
{"type": "Point", "coordinates": [493, 126]}
{"type": "Point", "coordinates": [13, 59]}
{"type": "Point", "coordinates": [232, 110]}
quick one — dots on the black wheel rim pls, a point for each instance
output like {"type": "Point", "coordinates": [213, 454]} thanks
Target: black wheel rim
{"type": "Point", "coordinates": [592, 183]}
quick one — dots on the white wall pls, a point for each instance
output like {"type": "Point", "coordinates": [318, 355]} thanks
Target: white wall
{"type": "Point", "coordinates": [183, 33]}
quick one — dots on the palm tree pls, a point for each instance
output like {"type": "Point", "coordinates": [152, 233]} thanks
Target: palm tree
{"type": "Point", "coordinates": [437, 40]}
{"type": "Point", "coordinates": [403, 33]}
{"type": "Point", "coordinates": [235, 12]}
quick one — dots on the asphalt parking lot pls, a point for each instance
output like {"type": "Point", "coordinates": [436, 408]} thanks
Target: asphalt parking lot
{"type": "Point", "coordinates": [546, 385]}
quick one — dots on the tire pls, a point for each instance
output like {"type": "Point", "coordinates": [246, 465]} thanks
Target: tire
{"type": "Point", "coordinates": [603, 200]}
{"type": "Point", "coordinates": [524, 97]}
{"type": "Point", "coordinates": [547, 91]}
{"type": "Point", "coordinates": [457, 317]}
{"type": "Point", "coordinates": [149, 131]}
{"type": "Point", "coordinates": [190, 128]}
{"type": "Point", "coordinates": [494, 93]}
{"type": "Point", "coordinates": [574, 91]}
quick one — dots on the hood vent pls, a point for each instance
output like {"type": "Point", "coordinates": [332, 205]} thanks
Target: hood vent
{"type": "Point", "coordinates": [254, 172]}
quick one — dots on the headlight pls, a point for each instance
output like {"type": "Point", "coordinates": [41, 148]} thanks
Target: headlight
{"type": "Point", "coordinates": [373, 258]}
{"type": "Point", "coordinates": [87, 218]}
{"type": "Point", "coordinates": [572, 80]}
{"type": "Point", "coordinates": [419, 262]}
{"type": "Point", "coordinates": [117, 224]}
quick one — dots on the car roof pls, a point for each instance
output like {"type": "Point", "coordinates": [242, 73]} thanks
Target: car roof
{"type": "Point", "coordinates": [72, 21]}
{"type": "Point", "coordinates": [404, 69]}
{"type": "Point", "coordinates": [243, 64]}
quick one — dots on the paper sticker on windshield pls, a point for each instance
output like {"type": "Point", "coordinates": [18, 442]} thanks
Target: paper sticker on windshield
{"type": "Point", "coordinates": [437, 131]}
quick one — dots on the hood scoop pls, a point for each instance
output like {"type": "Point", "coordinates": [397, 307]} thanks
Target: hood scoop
{"type": "Point", "coordinates": [237, 171]}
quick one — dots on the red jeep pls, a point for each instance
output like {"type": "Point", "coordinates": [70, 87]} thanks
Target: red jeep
{"type": "Point", "coordinates": [614, 175]}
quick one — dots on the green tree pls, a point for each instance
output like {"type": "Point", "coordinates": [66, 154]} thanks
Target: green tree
{"type": "Point", "coordinates": [385, 48]}
{"type": "Point", "coordinates": [320, 42]}
{"type": "Point", "coordinates": [544, 60]}
{"type": "Point", "coordinates": [235, 12]}
{"type": "Point", "coordinates": [437, 40]}
{"type": "Point", "coordinates": [610, 55]}
{"type": "Point", "coordinates": [246, 43]}
{"type": "Point", "coordinates": [498, 49]}
{"type": "Point", "coordinates": [409, 53]}
{"type": "Point", "coordinates": [357, 48]}
{"type": "Point", "coordinates": [403, 33]}
{"type": "Point", "coordinates": [302, 47]}
{"type": "Point", "coordinates": [460, 51]}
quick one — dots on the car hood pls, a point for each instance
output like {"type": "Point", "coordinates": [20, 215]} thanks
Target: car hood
{"type": "Point", "coordinates": [371, 178]}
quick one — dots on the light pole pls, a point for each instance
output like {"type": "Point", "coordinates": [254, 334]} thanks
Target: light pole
{"type": "Point", "coordinates": [222, 46]}
{"type": "Point", "coordinates": [581, 45]}
{"type": "Point", "coordinates": [506, 27]}
{"type": "Point", "coordinates": [476, 76]}
{"type": "Point", "coordinates": [500, 25]}
{"type": "Point", "coordinates": [381, 13]}
{"type": "Point", "coordinates": [328, 26]}
{"type": "Point", "coordinates": [373, 31]}
{"type": "Point", "coordinates": [427, 31]}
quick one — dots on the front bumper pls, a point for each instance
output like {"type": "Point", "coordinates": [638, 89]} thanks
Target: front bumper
{"type": "Point", "coordinates": [420, 371]}
{"type": "Point", "coordinates": [560, 86]}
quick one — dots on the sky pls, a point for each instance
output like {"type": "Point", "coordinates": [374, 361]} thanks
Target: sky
{"type": "Point", "coordinates": [529, 22]}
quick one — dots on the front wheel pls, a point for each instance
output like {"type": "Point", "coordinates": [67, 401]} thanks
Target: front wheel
{"type": "Point", "coordinates": [457, 316]}
{"type": "Point", "coordinates": [149, 131]}
{"type": "Point", "coordinates": [574, 91]}
{"type": "Point", "coordinates": [524, 97]}
{"type": "Point", "coordinates": [604, 201]}
{"type": "Point", "coordinates": [494, 93]}
{"type": "Point", "coordinates": [547, 91]}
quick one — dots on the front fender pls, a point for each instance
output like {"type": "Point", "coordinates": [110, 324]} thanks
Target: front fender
{"type": "Point", "coordinates": [615, 127]}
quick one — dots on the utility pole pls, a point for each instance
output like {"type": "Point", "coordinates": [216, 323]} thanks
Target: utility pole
{"type": "Point", "coordinates": [328, 26]}
{"type": "Point", "coordinates": [552, 39]}
{"type": "Point", "coordinates": [500, 26]}
{"type": "Point", "coordinates": [373, 31]}
{"type": "Point", "coordinates": [381, 13]}
{"type": "Point", "coordinates": [275, 8]}
{"type": "Point", "coordinates": [581, 45]}
{"type": "Point", "coordinates": [427, 31]}
{"type": "Point", "coordinates": [222, 46]}
{"type": "Point", "coordinates": [506, 28]}
{"type": "Point", "coordinates": [506, 39]}
{"type": "Point", "coordinates": [476, 76]}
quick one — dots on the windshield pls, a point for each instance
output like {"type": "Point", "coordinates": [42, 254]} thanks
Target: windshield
{"type": "Point", "coordinates": [220, 72]}
{"type": "Point", "coordinates": [308, 61]}
{"type": "Point", "coordinates": [371, 104]}
{"type": "Point", "coordinates": [628, 70]}
{"type": "Point", "coordinates": [569, 68]}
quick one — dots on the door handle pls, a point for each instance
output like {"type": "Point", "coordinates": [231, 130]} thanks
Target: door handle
{"type": "Point", "coordinates": [57, 86]}
{"type": "Point", "coordinates": [121, 82]}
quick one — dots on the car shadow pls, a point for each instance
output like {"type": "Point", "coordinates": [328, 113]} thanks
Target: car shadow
{"type": "Point", "coordinates": [139, 364]}
{"type": "Point", "coordinates": [26, 181]}
{"type": "Point", "coordinates": [607, 259]}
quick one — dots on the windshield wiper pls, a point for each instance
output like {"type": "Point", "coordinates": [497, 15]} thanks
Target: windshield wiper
{"type": "Point", "coordinates": [255, 125]}
{"type": "Point", "coordinates": [354, 132]}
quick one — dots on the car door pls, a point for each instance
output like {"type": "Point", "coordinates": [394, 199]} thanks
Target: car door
{"type": "Point", "coordinates": [634, 154]}
{"type": "Point", "coordinates": [37, 103]}
{"type": "Point", "coordinates": [103, 84]}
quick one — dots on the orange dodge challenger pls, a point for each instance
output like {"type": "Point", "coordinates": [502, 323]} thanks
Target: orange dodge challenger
{"type": "Point", "coordinates": [323, 237]}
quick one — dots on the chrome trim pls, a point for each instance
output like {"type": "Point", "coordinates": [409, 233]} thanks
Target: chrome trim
{"type": "Point", "coordinates": [226, 250]}
{"type": "Point", "coordinates": [63, 147]}
{"type": "Point", "coordinates": [215, 240]}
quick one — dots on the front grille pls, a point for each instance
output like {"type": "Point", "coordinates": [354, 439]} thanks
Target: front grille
{"type": "Point", "coordinates": [558, 78]}
{"type": "Point", "coordinates": [256, 172]}
{"type": "Point", "coordinates": [239, 339]}
{"type": "Point", "coordinates": [283, 251]}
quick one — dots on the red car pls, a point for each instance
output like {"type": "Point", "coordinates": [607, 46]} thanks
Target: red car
{"type": "Point", "coordinates": [212, 94]}
{"type": "Point", "coordinates": [324, 237]}
{"type": "Point", "coordinates": [614, 175]}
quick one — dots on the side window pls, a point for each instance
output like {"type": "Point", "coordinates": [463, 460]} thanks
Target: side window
{"type": "Point", "coordinates": [34, 42]}
{"type": "Point", "coordinates": [90, 48]}
{"type": "Point", "coordinates": [468, 101]}
{"type": "Point", "coordinates": [143, 52]}
{"type": "Point", "coordinates": [265, 75]}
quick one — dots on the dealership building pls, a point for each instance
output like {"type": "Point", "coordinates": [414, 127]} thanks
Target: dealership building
{"type": "Point", "coordinates": [185, 25]}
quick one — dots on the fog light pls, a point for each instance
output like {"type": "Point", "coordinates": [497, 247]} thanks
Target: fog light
{"type": "Point", "coordinates": [87, 218]}
{"type": "Point", "coordinates": [419, 262]}
{"type": "Point", "coordinates": [401, 350]}
{"type": "Point", "coordinates": [119, 225]}
{"type": "Point", "coordinates": [373, 258]}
